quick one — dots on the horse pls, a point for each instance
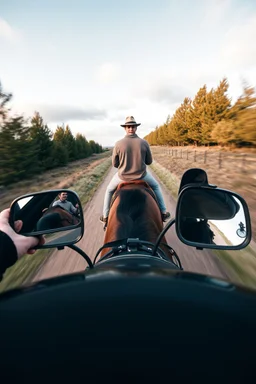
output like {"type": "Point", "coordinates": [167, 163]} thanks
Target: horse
{"type": "Point", "coordinates": [56, 217]}
{"type": "Point", "coordinates": [134, 213]}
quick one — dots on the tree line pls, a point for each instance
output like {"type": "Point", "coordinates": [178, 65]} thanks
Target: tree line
{"type": "Point", "coordinates": [28, 147]}
{"type": "Point", "coordinates": [210, 119]}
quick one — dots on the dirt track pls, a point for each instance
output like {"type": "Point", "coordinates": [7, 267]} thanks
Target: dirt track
{"type": "Point", "coordinates": [68, 261]}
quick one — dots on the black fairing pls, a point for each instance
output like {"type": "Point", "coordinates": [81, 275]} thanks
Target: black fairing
{"type": "Point", "coordinates": [148, 323]}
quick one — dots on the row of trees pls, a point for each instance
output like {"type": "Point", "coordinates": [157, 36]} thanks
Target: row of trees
{"type": "Point", "coordinates": [210, 119]}
{"type": "Point", "coordinates": [30, 147]}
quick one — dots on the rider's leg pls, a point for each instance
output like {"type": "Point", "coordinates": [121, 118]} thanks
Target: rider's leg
{"type": "Point", "coordinates": [158, 192]}
{"type": "Point", "coordinates": [109, 193]}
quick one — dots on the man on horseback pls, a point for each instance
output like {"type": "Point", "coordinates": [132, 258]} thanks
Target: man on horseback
{"type": "Point", "coordinates": [65, 204]}
{"type": "Point", "coordinates": [131, 155]}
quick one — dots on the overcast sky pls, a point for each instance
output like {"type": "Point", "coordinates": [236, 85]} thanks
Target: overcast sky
{"type": "Point", "coordinates": [90, 64]}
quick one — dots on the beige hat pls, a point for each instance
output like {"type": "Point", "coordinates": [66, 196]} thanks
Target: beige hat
{"type": "Point", "coordinates": [130, 121]}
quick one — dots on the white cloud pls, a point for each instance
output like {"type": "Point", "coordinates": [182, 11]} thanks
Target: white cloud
{"type": "Point", "coordinates": [214, 11]}
{"type": "Point", "coordinates": [239, 47]}
{"type": "Point", "coordinates": [7, 32]}
{"type": "Point", "coordinates": [62, 113]}
{"type": "Point", "coordinates": [107, 72]}
{"type": "Point", "coordinates": [161, 90]}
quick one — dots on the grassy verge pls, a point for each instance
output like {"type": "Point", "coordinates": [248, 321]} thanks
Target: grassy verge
{"type": "Point", "coordinates": [171, 181]}
{"type": "Point", "coordinates": [27, 266]}
{"type": "Point", "coordinates": [240, 265]}
{"type": "Point", "coordinates": [24, 269]}
{"type": "Point", "coordinates": [88, 183]}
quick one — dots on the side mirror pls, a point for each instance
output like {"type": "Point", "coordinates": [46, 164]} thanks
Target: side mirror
{"type": "Point", "coordinates": [56, 214]}
{"type": "Point", "coordinates": [214, 218]}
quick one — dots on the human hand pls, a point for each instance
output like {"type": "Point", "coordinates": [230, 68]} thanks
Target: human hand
{"type": "Point", "coordinates": [22, 243]}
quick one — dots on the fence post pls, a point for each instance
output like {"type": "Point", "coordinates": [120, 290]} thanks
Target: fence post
{"type": "Point", "coordinates": [187, 154]}
{"type": "Point", "coordinates": [205, 155]}
{"type": "Point", "coordinates": [181, 153]}
{"type": "Point", "coordinates": [195, 156]}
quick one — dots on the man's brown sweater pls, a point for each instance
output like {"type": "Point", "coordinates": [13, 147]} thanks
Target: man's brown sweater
{"type": "Point", "coordinates": [131, 155]}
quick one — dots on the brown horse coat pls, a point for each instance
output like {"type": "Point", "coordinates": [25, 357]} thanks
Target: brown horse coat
{"type": "Point", "coordinates": [134, 214]}
{"type": "Point", "coordinates": [56, 217]}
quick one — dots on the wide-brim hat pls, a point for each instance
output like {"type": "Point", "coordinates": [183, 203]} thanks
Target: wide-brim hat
{"type": "Point", "coordinates": [130, 121]}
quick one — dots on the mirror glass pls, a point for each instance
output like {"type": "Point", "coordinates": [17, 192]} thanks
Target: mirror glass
{"type": "Point", "coordinates": [63, 237]}
{"type": "Point", "coordinates": [210, 216]}
{"type": "Point", "coordinates": [47, 213]}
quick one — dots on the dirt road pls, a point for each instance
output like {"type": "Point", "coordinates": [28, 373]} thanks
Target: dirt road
{"type": "Point", "coordinates": [68, 261]}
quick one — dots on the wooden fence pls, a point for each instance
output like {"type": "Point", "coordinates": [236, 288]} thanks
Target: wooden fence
{"type": "Point", "coordinates": [245, 162]}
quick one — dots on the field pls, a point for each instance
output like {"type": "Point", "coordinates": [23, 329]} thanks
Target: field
{"type": "Point", "coordinates": [234, 170]}
{"type": "Point", "coordinates": [71, 176]}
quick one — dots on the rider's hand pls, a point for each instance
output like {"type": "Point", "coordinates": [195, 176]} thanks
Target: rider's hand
{"type": "Point", "coordinates": [77, 206]}
{"type": "Point", "coordinates": [23, 244]}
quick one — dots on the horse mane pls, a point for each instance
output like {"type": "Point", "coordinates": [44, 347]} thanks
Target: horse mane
{"type": "Point", "coordinates": [132, 214]}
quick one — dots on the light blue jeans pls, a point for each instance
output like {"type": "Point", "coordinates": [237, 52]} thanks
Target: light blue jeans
{"type": "Point", "coordinates": [116, 180]}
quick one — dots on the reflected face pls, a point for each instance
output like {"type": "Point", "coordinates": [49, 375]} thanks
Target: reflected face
{"type": "Point", "coordinates": [63, 196]}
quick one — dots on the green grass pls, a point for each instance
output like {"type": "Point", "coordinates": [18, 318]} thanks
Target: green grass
{"type": "Point", "coordinates": [88, 184]}
{"type": "Point", "coordinates": [23, 269]}
{"type": "Point", "coordinates": [240, 265]}
{"type": "Point", "coordinates": [26, 267]}
{"type": "Point", "coordinates": [171, 181]}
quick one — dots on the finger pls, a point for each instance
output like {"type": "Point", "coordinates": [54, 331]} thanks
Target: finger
{"type": "Point", "coordinates": [41, 240]}
{"type": "Point", "coordinates": [34, 241]}
{"type": "Point", "coordinates": [5, 214]}
{"type": "Point", "coordinates": [31, 251]}
{"type": "Point", "coordinates": [18, 225]}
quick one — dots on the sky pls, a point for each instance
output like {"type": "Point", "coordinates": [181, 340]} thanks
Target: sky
{"type": "Point", "coordinates": [90, 64]}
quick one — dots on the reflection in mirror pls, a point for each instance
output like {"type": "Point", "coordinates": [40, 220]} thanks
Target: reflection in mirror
{"type": "Point", "coordinates": [63, 237]}
{"type": "Point", "coordinates": [47, 212]}
{"type": "Point", "coordinates": [212, 217]}
{"type": "Point", "coordinates": [230, 232]}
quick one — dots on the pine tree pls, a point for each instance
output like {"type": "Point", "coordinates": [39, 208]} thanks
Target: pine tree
{"type": "Point", "coordinates": [196, 114]}
{"type": "Point", "coordinates": [41, 135]}
{"type": "Point", "coordinates": [69, 142]}
{"type": "Point", "coordinates": [4, 99]}
{"type": "Point", "coordinates": [243, 114]}
{"type": "Point", "coordinates": [179, 124]}
{"type": "Point", "coordinates": [18, 156]}
{"type": "Point", "coordinates": [60, 154]}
